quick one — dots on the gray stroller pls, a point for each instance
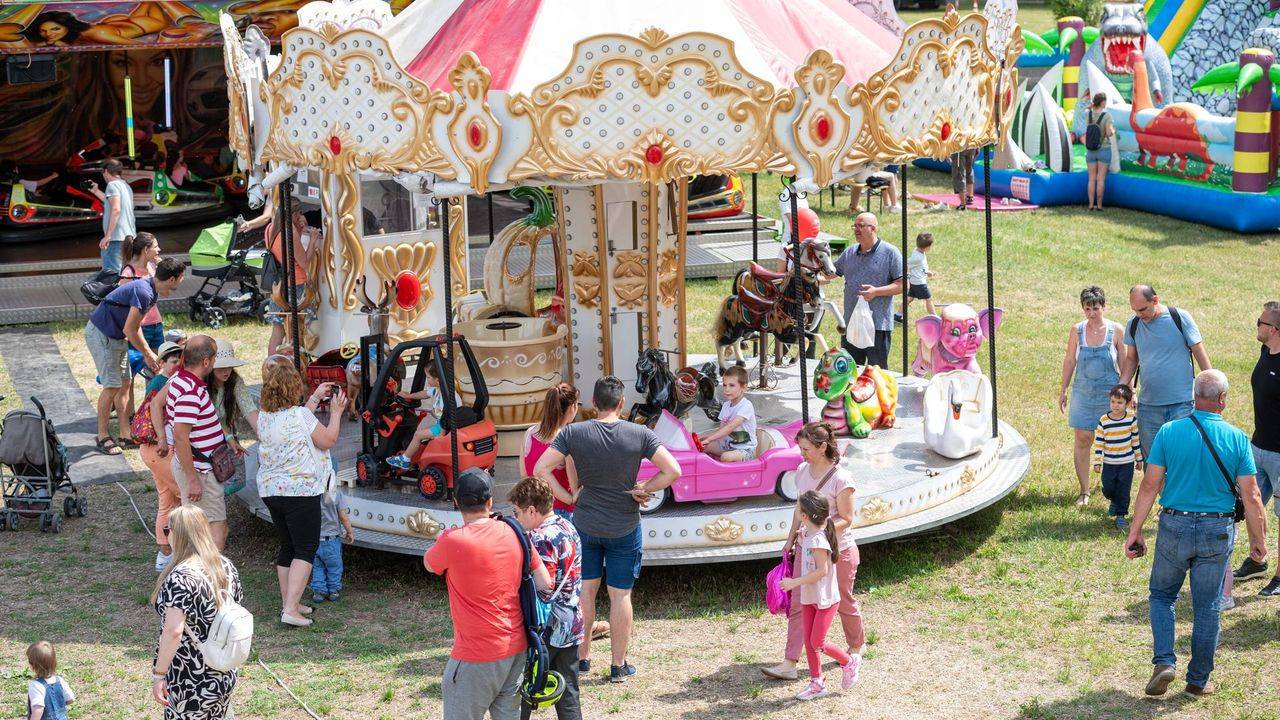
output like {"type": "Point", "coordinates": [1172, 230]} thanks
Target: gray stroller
{"type": "Point", "coordinates": [33, 470]}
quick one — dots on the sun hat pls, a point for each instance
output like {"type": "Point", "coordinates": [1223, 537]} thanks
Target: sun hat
{"type": "Point", "coordinates": [226, 356]}
{"type": "Point", "coordinates": [167, 348]}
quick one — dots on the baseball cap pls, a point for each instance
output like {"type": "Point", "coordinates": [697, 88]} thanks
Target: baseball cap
{"type": "Point", "coordinates": [175, 335]}
{"type": "Point", "coordinates": [473, 487]}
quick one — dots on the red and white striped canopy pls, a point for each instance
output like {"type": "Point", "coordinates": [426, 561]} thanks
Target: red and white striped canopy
{"type": "Point", "coordinates": [527, 42]}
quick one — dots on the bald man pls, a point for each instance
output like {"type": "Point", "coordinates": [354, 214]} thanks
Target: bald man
{"type": "Point", "coordinates": [872, 269]}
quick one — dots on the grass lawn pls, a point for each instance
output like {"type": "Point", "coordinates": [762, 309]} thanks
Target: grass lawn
{"type": "Point", "coordinates": [1025, 610]}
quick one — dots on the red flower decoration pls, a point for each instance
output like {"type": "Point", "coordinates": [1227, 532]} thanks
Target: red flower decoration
{"type": "Point", "coordinates": [653, 155]}
{"type": "Point", "coordinates": [335, 145]}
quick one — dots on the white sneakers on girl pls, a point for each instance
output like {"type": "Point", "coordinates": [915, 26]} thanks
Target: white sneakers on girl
{"type": "Point", "coordinates": [849, 672]}
{"type": "Point", "coordinates": [817, 688]}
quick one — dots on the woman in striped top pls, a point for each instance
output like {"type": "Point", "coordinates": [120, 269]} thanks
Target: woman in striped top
{"type": "Point", "coordinates": [1116, 452]}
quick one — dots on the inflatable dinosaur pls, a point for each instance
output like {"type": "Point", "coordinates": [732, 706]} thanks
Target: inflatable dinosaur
{"type": "Point", "coordinates": [857, 403]}
{"type": "Point", "coordinates": [1123, 30]}
{"type": "Point", "coordinates": [1172, 133]}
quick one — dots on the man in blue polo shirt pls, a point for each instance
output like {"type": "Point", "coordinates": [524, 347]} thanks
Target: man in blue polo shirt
{"type": "Point", "coordinates": [872, 269]}
{"type": "Point", "coordinates": [1164, 346]}
{"type": "Point", "coordinates": [115, 322]}
{"type": "Point", "coordinates": [1197, 527]}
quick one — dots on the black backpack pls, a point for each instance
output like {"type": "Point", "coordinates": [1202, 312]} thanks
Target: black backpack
{"type": "Point", "coordinates": [1093, 136]}
{"type": "Point", "coordinates": [99, 285]}
{"type": "Point", "coordinates": [270, 272]}
{"type": "Point", "coordinates": [1132, 329]}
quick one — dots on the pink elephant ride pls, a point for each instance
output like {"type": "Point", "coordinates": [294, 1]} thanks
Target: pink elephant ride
{"type": "Point", "coordinates": [950, 341]}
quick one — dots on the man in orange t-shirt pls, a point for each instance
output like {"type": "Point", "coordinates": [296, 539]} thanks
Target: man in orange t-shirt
{"type": "Point", "coordinates": [481, 564]}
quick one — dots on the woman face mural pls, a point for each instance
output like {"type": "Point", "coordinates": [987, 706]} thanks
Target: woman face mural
{"type": "Point", "coordinates": [145, 69]}
{"type": "Point", "coordinates": [56, 28]}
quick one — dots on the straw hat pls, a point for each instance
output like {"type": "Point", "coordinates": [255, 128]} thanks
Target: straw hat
{"type": "Point", "coordinates": [166, 348]}
{"type": "Point", "coordinates": [226, 356]}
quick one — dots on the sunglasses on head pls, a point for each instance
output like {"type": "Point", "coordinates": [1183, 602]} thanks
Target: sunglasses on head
{"type": "Point", "coordinates": [165, 529]}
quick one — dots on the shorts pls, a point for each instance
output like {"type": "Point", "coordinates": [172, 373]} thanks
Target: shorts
{"type": "Point", "coordinates": [212, 500]}
{"type": "Point", "coordinates": [1101, 155]}
{"type": "Point", "coordinates": [108, 356]}
{"type": "Point", "coordinates": [276, 313]}
{"type": "Point", "coordinates": [1268, 464]}
{"type": "Point", "coordinates": [620, 555]}
{"type": "Point", "coordinates": [919, 292]}
{"type": "Point", "coordinates": [748, 451]}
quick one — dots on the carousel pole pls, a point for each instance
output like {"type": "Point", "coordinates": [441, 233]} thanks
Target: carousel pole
{"type": "Point", "coordinates": [755, 221]}
{"type": "Point", "coordinates": [291, 274]}
{"type": "Point", "coordinates": [489, 199]}
{"type": "Point", "coordinates": [991, 287]}
{"type": "Point", "coordinates": [906, 282]}
{"type": "Point", "coordinates": [447, 381]}
{"type": "Point", "coordinates": [790, 196]}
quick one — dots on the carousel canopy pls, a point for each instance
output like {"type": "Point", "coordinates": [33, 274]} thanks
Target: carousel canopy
{"type": "Point", "coordinates": [66, 26]}
{"type": "Point", "coordinates": [525, 42]}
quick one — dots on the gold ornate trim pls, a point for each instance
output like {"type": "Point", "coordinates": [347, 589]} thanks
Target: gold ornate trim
{"type": "Point", "coordinates": [458, 250]}
{"type": "Point", "coordinates": [421, 522]}
{"type": "Point", "coordinates": [630, 278]}
{"type": "Point", "coordinates": [417, 257]}
{"type": "Point", "coordinates": [723, 530]}
{"type": "Point", "coordinates": [602, 262]}
{"type": "Point", "coordinates": [874, 510]}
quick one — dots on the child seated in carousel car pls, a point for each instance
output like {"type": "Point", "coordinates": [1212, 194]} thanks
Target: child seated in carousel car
{"type": "Point", "coordinates": [429, 427]}
{"type": "Point", "coordinates": [735, 439]}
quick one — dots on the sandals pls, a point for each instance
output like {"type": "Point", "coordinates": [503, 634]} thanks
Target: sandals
{"type": "Point", "coordinates": [108, 446]}
{"type": "Point", "coordinates": [1082, 499]}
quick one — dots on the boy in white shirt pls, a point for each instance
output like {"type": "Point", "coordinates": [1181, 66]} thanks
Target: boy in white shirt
{"type": "Point", "coordinates": [735, 440]}
{"type": "Point", "coordinates": [918, 272]}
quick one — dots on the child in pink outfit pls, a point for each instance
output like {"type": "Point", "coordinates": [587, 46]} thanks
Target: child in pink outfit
{"type": "Point", "coordinates": [819, 594]}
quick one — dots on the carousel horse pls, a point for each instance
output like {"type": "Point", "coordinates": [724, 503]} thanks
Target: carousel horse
{"type": "Point", "coordinates": [675, 392]}
{"type": "Point", "coordinates": [815, 261]}
{"type": "Point", "coordinates": [764, 301]}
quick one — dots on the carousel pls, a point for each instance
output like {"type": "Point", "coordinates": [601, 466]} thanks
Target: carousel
{"type": "Point", "coordinates": [388, 123]}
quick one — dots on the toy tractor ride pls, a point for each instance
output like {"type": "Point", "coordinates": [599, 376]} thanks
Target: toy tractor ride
{"type": "Point", "coordinates": [390, 420]}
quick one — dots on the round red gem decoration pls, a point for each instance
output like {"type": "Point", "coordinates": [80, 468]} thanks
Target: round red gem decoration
{"type": "Point", "coordinates": [475, 134]}
{"type": "Point", "coordinates": [335, 145]}
{"type": "Point", "coordinates": [653, 154]}
{"type": "Point", "coordinates": [822, 127]}
{"type": "Point", "coordinates": [946, 130]}
{"type": "Point", "coordinates": [1008, 96]}
{"type": "Point", "coordinates": [408, 289]}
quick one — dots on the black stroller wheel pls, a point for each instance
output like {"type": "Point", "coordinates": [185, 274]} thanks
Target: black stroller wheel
{"type": "Point", "coordinates": [13, 520]}
{"type": "Point", "coordinates": [82, 506]}
{"type": "Point", "coordinates": [55, 524]}
{"type": "Point", "coordinates": [68, 506]}
{"type": "Point", "coordinates": [214, 317]}
{"type": "Point", "coordinates": [4, 521]}
{"type": "Point", "coordinates": [44, 523]}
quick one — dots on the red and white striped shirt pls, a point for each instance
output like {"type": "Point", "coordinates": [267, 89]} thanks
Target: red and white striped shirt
{"type": "Point", "coordinates": [188, 403]}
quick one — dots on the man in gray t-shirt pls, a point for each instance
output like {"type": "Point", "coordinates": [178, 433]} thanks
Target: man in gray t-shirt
{"type": "Point", "coordinates": [872, 269]}
{"type": "Point", "coordinates": [602, 457]}
{"type": "Point", "coordinates": [117, 214]}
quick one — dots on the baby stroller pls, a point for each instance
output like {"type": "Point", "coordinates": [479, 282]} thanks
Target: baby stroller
{"type": "Point", "coordinates": [214, 258]}
{"type": "Point", "coordinates": [33, 470]}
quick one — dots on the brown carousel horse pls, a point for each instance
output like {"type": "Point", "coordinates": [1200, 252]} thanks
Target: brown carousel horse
{"type": "Point", "coordinates": [763, 301]}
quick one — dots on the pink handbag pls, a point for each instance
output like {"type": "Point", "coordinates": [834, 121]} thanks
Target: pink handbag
{"type": "Point", "coordinates": [778, 600]}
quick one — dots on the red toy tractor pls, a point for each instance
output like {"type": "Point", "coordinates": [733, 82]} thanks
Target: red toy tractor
{"type": "Point", "coordinates": [390, 420]}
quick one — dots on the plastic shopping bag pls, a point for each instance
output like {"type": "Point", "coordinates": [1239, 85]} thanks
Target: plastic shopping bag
{"type": "Point", "coordinates": [1115, 154]}
{"type": "Point", "coordinates": [861, 330]}
{"type": "Point", "coordinates": [778, 600]}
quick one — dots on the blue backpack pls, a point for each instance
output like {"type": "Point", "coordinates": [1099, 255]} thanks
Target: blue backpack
{"type": "Point", "coordinates": [541, 687]}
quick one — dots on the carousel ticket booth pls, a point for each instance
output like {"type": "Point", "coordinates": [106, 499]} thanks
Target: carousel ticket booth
{"type": "Point", "coordinates": [398, 116]}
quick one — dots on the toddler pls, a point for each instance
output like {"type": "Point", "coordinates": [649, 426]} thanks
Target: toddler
{"type": "Point", "coordinates": [735, 439]}
{"type": "Point", "coordinates": [429, 427]}
{"type": "Point", "coordinates": [818, 544]}
{"type": "Point", "coordinates": [335, 529]}
{"type": "Point", "coordinates": [1116, 452]}
{"type": "Point", "coordinates": [918, 272]}
{"type": "Point", "coordinates": [48, 695]}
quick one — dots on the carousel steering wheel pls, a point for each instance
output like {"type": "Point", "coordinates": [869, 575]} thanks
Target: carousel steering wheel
{"type": "Point", "coordinates": [349, 349]}
{"type": "Point", "coordinates": [697, 442]}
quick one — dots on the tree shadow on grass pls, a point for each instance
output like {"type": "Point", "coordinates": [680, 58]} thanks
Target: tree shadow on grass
{"type": "Point", "coordinates": [1111, 704]}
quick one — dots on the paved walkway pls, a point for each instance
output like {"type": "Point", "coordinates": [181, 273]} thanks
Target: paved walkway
{"type": "Point", "coordinates": [37, 368]}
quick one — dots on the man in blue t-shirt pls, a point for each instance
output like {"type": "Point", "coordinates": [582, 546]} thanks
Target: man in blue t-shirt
{"type": "Point", "coordinates": [1197, 526]}
{"type": "Point", "coordinates": [116, 322]}
{"type": "Point", "coordinates": [1164, 347]}
{"type": "Point", "coordinates": [872, 271]}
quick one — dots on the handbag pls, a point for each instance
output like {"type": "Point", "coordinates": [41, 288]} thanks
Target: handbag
{"type": "Point", "coordinates": [1239, 510]}
{"type": "Point", "coordinates": [778, 600]}
{"type": "Point", "coordinates": [141, 427]}
{"type": "Point", "coordinates": [222, 462]}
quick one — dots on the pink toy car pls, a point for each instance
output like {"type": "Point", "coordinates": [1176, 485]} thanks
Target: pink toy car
{"type": "Point", "coordinates": [709, 480]}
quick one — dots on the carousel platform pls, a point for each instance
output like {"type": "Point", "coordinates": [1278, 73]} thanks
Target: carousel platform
{"type": "Point", "coordinates": [903, 488]}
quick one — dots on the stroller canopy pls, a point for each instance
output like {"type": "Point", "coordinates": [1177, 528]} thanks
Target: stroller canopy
{"type": "Point", "coordinates": [213, 246]}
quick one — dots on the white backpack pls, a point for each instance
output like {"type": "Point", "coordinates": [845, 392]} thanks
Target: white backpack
{"type": "Point", "coordinates": [230, 635]}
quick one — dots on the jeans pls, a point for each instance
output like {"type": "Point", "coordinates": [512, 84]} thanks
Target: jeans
{"type": "Point", "coordinates": [1117, 485]}
{"type": "Point", "coordinates": [1152, 417]}
{"type": "Point", "coordinates": [1202, 546]}
{"type": "Point", "coordinates": [1268, 463]}
{"type": "Point", "coordinates": [877, 354]}
{"type": "Point", "coordinates": [326, 572]}
{"type": "Point", "coordinates": [111, 256]}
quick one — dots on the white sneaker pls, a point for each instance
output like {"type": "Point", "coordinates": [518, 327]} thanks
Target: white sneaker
{"type": "Point", "coordinates": [1228, 602]}
{"type": "Point", "coordinates": [894, 209]}
{"type": "Point", "coordinates": [162, 561]}
{"type": "Point", "coordinates": [817, 688]}
{"type": "Point", "coordinates": [849, 672]}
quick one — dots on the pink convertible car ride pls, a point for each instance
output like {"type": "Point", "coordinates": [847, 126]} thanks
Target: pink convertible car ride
{"type": "Point", "coordinates": [706, 479]}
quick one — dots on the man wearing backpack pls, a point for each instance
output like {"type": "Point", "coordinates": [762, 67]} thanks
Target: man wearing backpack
{"type": "Point", "coordinates": [481, 563]}
{"type": "Point", "coordinates": [115, 322]}
{"type": "Point", "coordinates": [1160, 341]}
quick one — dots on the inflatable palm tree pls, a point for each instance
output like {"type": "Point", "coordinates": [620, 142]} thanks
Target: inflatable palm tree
{"type": "Point", "coordinates": [1253, 162]}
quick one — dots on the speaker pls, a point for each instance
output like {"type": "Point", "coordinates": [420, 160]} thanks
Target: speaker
{"type": "Point", "coordinates": [31, 68]}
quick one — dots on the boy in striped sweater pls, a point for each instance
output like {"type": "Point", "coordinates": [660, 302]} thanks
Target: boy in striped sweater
{"type": "Point", "coordinates": [1116, 452]}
